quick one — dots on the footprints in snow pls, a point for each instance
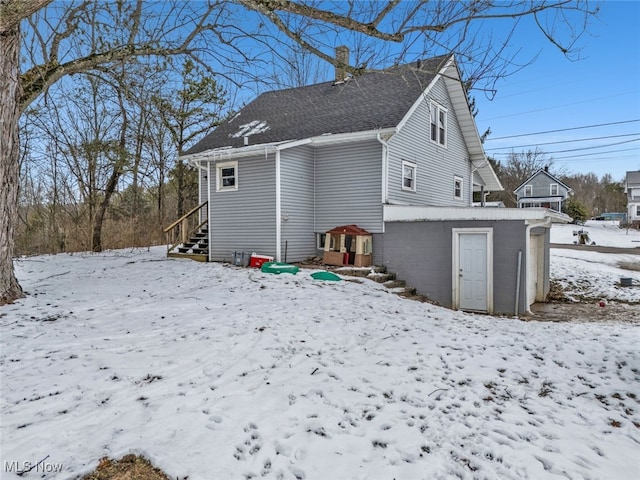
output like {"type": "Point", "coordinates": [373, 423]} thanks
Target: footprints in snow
{"type": "Point", "coordinates": [213, 420]}
{"type": "Point", "coordinates": [251, 445]}
{"type": "Point", "coordinates": [253, 451]}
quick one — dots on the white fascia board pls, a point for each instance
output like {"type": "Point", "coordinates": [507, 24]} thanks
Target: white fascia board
{"type": "Point", "coordinates": [409, 213]}
{"type": "Point", "coordinates": [295, 143]}
{"type": "Point", "coordinates": [336, 138]}
{"type": "Point", "coordinates": [487, 173]}
{"type": "Point", "coordinates": [227, 153]}
{"type": "Point", "coordinates": [424, 94]}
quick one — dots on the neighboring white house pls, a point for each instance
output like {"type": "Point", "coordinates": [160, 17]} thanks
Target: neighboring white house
{"type": "Point", "coordinates": [542, 189]}
{"type": "Point", "coordinates": [632, 189]}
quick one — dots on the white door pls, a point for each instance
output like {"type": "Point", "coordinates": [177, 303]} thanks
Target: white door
{"type": "Point", "coordinates": [473, 272]}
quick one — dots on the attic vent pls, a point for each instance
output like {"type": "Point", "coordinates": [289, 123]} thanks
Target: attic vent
{"type": "Point", "coordinates": [246, 140]}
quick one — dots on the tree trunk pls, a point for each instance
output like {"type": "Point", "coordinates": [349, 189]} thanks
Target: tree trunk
{"type": "Point", "coordinates": [96, 239]}
{"type": "Point", "coordinates": [10, 289]}
{"type": "Point", "coordinates": [180, 186]}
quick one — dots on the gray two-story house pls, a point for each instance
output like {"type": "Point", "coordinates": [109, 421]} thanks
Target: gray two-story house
{"type": "Point", "coordinates": [394, 155]}
{"type": "Point", "coordinates": [542, 189]}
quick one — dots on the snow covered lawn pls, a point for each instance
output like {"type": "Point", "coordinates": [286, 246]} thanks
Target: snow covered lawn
{"type": "Point", "coordinates": [216, 372]}
{"type": "Point", "coordinates": [591, 275]}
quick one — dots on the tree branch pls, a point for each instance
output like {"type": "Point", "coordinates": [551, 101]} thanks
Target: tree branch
{"type": "Point", "coordinates": [13, 11]}
{"type": "Point", "coordinates": [269, 7]}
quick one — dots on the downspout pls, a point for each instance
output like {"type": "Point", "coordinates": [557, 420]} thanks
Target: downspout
{"type": "Point", "coordinates": [385, 175]}
{"type": "Point", "coordinates": [385, 169]}
{"type": "Point", "coordinates": [278, 207]}
{"type": "Point", "coordinates": [518, 275]}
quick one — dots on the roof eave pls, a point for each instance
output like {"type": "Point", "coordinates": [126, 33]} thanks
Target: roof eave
{"type": "Point", "coordinates": [226, 153]}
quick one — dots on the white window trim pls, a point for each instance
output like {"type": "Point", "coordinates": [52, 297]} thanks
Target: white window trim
{"type": "Point", "coordinates": [415, 174]}
{"type": "Point", "coordinates": [530, 189]}
{"type": "Point", "coordinates": [219, 167]}
{"type": "Point", "coordinates": [439, 108]}
{"type": "Point", "coordinates": [551, 189]}
{"type": "Point", "coordinates": [457, 179]}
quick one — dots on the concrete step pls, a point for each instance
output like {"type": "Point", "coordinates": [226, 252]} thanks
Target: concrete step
{"type": "Point", "coordinates": [392, 283]}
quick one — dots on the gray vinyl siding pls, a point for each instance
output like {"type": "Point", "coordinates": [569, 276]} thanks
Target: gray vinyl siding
{"type": "Point", "coordinates": [297, 200]}
{"type": "Point", "coordinates": [349, 186]}
{"type": "Point", "coordinates": [436, 165]}
{"type": "Point", "coordinates": [244, 219]}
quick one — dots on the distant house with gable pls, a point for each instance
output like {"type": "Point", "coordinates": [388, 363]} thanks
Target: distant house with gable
{"type": "Point", "coordinates": [632, 189]}
{"type": "Point", "coordinates": [542, 189]}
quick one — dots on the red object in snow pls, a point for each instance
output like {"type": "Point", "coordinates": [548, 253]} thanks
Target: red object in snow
{"type": "Point", "coordinates": [601, 303]}
{"type": "Point", "coordinates": [256, 261]}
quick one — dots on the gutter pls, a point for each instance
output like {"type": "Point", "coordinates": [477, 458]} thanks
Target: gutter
{"type": "Point", "coordinates": [328, 138]}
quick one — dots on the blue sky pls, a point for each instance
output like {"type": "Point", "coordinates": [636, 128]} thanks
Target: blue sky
{"type": "Point", "coordinates": [554, 93]}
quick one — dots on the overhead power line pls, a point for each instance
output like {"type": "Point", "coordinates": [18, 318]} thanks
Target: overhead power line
{"type": "Point", "coordinates": [564, 129]}
{"type": "Point", "coordinates": [578, 158]}
{"type": "Point", "coordinates": [563, 141]}
{"type": "Point", "coordinates": [580, 149]}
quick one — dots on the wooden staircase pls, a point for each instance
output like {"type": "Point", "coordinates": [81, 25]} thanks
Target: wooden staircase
{"type": "Point", "coordinates": [188, 237]}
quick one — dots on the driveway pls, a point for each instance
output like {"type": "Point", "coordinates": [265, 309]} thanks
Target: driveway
{"type": "Point", "coordinates": [586, 312]}
{"type": "Point", "coordinates": [597, 248]}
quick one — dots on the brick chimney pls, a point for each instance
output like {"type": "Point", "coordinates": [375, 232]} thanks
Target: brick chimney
{"type": "Point", "coordinates": [342, 56]}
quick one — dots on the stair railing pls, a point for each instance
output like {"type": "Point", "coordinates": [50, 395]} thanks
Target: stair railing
{"type": "Point", "coordinates": [182, 229]}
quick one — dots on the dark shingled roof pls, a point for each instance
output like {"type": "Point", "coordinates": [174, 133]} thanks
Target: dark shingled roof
{"type": "Point", "coordinates": [367, 102]}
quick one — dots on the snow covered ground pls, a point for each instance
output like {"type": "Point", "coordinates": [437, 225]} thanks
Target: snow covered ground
{"type": "Point", "coordinates": [594, 275]}
{"type": "Point", "coordinates": [218, 372]}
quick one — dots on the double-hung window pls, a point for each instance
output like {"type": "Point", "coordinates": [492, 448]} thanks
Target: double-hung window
{"type": "Point", "coordinates": [226, 176]}
{"type": "Point", "coordinates": [554, 189]}
{"type": "Point", "coordinates": [409, 176]}
{"type": "Point", "coordinates": [528, 190]}
{"type": "Point", "coordinates": [438, 116]}
{"type": "Point", "coordinates": [458, 188]}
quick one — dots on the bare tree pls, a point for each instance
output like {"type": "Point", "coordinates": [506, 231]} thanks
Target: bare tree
{"type": "Point", "coordinates": [209, 32]}
{"type": "Point", "coordinates": [189, 112]}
